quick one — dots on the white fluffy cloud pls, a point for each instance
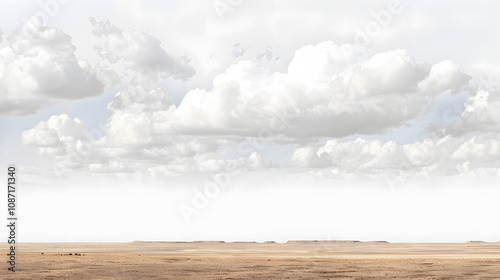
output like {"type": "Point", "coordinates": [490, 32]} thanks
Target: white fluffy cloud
{"type": "Point", "coordinates": [328, 91]}
{"type": "Point", "coordinates": [482, 148]}
{"type": "Point", "coordinates": [481, 114]}
{"type": "Point", "coordinates": [439, 156]}
{"type": "Point", "coordinates": [136, 130]}
{"type": "Point", "coordinates": [133, 141]}
{"type": "Point", "coordinates": [139, 51]}
{"type": "Point", "coordinates": [53, 136]}
{"type": "Point", "coordinates": [38, 67]}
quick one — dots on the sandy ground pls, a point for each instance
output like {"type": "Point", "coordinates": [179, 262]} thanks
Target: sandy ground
{"type": "Point", "coordinates": [215, 260]}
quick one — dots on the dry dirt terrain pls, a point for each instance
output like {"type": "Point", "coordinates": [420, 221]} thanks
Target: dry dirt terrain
{"type": "Point", "coordinates": [217, 260]}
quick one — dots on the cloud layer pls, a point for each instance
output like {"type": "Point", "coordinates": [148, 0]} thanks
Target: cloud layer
{"type": "Point", "coordinates": [329, 91]}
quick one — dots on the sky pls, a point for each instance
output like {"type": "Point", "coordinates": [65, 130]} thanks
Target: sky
{"type": "Point", "coordinates": [244, 120]}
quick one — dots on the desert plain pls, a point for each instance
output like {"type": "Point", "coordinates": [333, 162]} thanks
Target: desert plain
{"type": "Point", "coordinates": [251, 260]}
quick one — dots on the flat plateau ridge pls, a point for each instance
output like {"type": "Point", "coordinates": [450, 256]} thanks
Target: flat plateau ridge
{"type": "Point", "coordinates": [251, 260]}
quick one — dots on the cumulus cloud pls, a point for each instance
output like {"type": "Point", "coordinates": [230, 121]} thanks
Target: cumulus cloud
{"type": "Point", "coordinates": [53, 136]}
{"type": "Point", "coordinates": [328, 91]}
{"type": "Point", "coordinates": [483, 148]}
{"type": "Point", "coordinates": [139, 51]}
{"type": "Point", "coordinates": [137, 129]}
{"type": "Point", "coordinates": [38, 67]}
{"type": "Point", "coordinates": [481, 114]}
{"type": "Point", "coordinates": [133, 141]}
{"type": "Point", "coordinates": [437, 156]}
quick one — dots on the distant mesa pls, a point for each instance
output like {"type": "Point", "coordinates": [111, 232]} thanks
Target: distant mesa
{"type": "Point", "coordinates": [476, 241]}
{"type": "Point", "coordinates": [343, 241]}
{"type": "Point", "coordinates": [274, 242]}
{"type": "Point", "coordinates": [209, 242]}
{"type": "Point", "coordinates": [324, 241]}
{"type": "Point", "coordinates": [138, 242]}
